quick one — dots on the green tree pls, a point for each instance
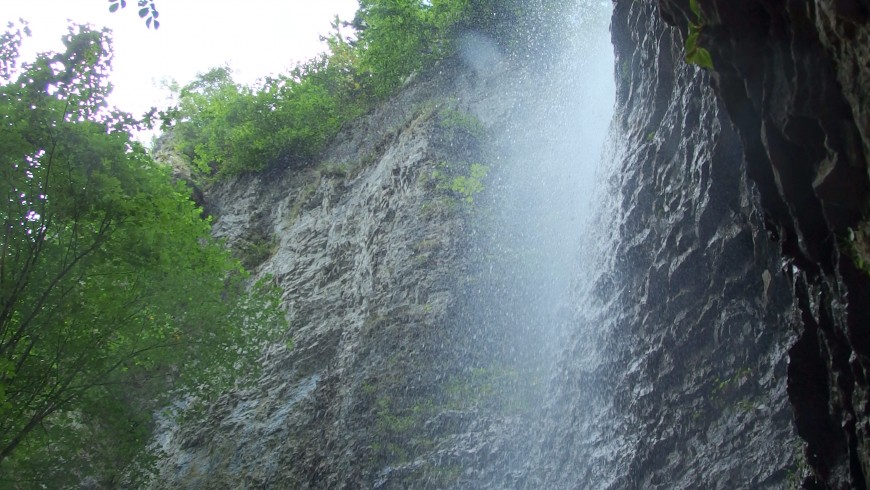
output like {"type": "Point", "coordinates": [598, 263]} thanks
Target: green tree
{"type": "Point", "coordinates": [114, 299]}
{"type": "Point", "coordinates": [227, 129]}
{"type": "Point", "coordinates": [397, 37]}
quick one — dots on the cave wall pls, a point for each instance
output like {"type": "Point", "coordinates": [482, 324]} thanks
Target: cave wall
{"type": "Point", "coordinates": [793, 77]}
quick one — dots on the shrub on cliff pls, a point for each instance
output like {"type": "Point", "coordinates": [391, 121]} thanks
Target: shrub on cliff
{"type": "Point", "coordinates": [229, 129]}
{"type": "Point", "coordinates": [397, 37]}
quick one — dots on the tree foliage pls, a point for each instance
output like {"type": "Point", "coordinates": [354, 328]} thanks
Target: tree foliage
{"type": "Point", "coordinates": [113, 297]}
{"type": "Point", "coordinates": [228, 129]}
{"type": "Point", "coordinates": [398, 37]}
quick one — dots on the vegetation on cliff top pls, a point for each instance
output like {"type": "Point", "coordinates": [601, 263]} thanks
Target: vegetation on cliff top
{"type": "Point", "coordinates": [227, 129]}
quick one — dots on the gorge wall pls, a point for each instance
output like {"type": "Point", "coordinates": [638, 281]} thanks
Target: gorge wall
{"type": "Point", "coordinates": [715, 330]}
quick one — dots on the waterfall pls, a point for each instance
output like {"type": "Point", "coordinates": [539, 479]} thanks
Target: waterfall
{"type": "Point", "coordinates": [532, 238]}
{"type": "Point", "coordinates": [603, 309]}
{"type": "Point", "coordinates": [620, 302]}
{"type": "Point", "coordinates": [672, 371]}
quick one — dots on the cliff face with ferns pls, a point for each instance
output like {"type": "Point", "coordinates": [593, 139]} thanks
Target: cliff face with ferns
{"type": "Point", "coordinates": [712, 331]}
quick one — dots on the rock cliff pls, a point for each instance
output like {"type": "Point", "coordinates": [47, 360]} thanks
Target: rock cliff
{"type": "Point", "coordinates": [715, 328]}
{"type": "Point", "coordinates": [368, 246]}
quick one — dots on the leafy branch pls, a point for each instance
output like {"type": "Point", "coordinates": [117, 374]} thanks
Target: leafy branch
{"type": "Point", "coordinates": [696, 54]}
{"type": "Point", "coordinates": [147, 11]}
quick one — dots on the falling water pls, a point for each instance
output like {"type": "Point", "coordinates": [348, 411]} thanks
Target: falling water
{"type": "Point", "coordinates": [529, 248]}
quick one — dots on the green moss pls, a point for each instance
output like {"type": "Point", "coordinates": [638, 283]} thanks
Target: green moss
{"type": "Point", "coordinates": [800, 468]}
{"type": "Point", "coordinates": [745, 406]}
{"type": "Point", "coordinates": [857, 246]}
{"type": "Point", "coordinates": [726, 385]}
{"type": "Point", "coordinates": [369, 159]}
{"type": "Point", "coordinates": [304, 196]}
{"type": "Point", "coordinates": [464, 186]}
{"type": "Point", "coordinates": [335, 170]}
{"type": "Point", "coordinates": [369, 388]}
{"type": "Point", "coordinates": [398, 428]}
{"type": "Point", "coordinates": [497, 388]}
{"type": "Point", "coordinates": [426, 245]}
{"type": "Point", "coordinates": [440, 206]}
{"type": "Point", "coordinates": [444, 476]}
{"type": "Point", "coordinates": [457, 123]}
{"type": "Point", "coordinates": [256, 250]}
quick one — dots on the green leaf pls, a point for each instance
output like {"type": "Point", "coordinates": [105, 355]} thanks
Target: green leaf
{"type": "Point", "coordinates": [156, 24]}
{"type": "Point", "coordinates": [143, 12]}
{"type": "Point", "coordinates": [703, 59]}
{"type": "Point", "coordinates": [696, 9]}
{"type": "Point", "coordinates": [695, 54]}
{"type": "Point", "coordinates": [114, 7]}
{"type": "Point", "coordinates": [148, 22]}
{"type": "Point", "coordinates": [692, 41]}
{"type": "Point", "coordinates": [700, 57]}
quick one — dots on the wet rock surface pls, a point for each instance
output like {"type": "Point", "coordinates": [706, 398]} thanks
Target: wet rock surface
{"type": "Point", "coordinates": [794, 77]}
{"type": "Point", "coordinates": [676, 373]}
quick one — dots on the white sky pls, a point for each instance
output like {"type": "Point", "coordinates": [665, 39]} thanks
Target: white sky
{"type": "Point", "coordinates": [255, 37]}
